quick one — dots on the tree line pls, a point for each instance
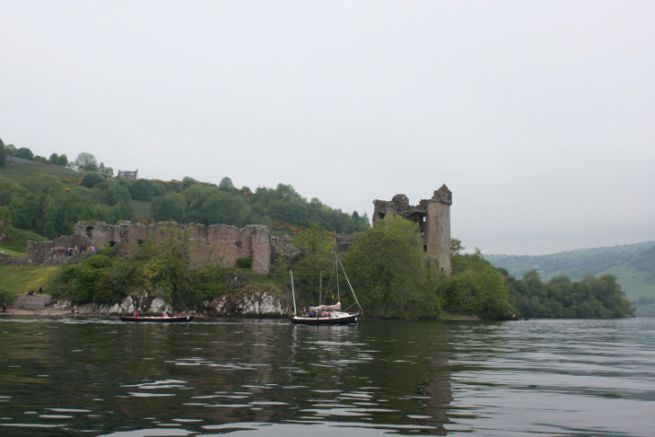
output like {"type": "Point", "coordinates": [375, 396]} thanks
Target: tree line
{"type": "Point", "coordinates": [395, 279]}
{"type": "Point", "coordinates": [50, 205]}
{"type": "Point", "coordinates": [592, 297]}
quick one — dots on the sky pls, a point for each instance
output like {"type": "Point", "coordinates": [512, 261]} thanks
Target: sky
{"type": "Point", "coordinates": [538, 115]}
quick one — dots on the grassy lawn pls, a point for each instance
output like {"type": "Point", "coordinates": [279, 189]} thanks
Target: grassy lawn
{"type": "Point", "coordinates": [16, 239]}
{"type": "Point", "coordinates": [20, 172]}
{"type": "Point", "coordinates": [12, 253]}
{"type": "Point", "coordinates": [19, 279]}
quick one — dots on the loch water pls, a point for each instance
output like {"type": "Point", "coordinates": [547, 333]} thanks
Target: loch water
{"type": "Point", "coordinates": [268, 377]}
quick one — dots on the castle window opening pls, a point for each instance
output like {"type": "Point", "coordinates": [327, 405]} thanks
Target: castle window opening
{"type": "Point", "coordinates": [112, 244]}
{"type": "Point", "coordinates": [89, 231]}
{"type": "Point", "coordinates": [139, 242]}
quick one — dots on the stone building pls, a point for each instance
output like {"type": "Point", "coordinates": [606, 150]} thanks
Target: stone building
{"type": "Point", "coordinates": [219, 244]}
{"type": "Point", "coordinates": [432, 216]}
{"type": "Point", "coordinates": [128, 174]}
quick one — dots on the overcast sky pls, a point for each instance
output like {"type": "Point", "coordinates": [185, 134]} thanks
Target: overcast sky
{"type": "Point", "coordinates": [539, 116]}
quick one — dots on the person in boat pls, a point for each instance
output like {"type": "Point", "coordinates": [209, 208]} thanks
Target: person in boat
{"type": "Point", "coordinates": [136, 313]}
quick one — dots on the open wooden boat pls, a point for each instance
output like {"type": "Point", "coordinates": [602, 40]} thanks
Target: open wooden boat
{"type": "Point", "coordinates": [157, 319]}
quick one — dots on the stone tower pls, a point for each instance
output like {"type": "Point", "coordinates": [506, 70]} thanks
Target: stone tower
{"type": "Point", "coordinates": [432, 216]}
{"type": "Point", "coordinates": [437, 233]}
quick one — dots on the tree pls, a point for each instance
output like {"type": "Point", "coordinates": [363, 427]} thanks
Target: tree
{"type": "Point", "coordinates": [387, 267]}
{"type": "Point", "coordinates": [107, 171]}
{"type": "Point", "coordinates": [6, 298]}
{"type": "Point", "coordinates": [92, 178]}
{"type": "Point", "coordinates": [224, 207]}
{"type": "Point", "coordinates": [226, 184]}
{"type": "Point", "coordinates": [171, 270]}
{"type": "Point", "coordinates": [86, 161]}
{"type": "Point", "coordinates": [456, 247]}
{"type": "Point", "coordinates": [169, 207]}
{"type": "Point", "coordinates": [317, 261]}
{"type": "Point", "coordinates": [3, 155]}
{"type": "Point", "coordinates": [476, 288]}
{"type": "Point", "coordinates": [54, 158]}
{"type": "Point", "coordinates": [24, 153]}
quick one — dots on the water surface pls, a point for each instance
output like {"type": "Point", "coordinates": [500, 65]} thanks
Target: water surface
{"type": "Point", "coordinates": [62, 376]}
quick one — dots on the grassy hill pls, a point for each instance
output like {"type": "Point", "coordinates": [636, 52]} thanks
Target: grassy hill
{"type": "Point", "coordinates": [20, 279]}
{"type": "Point", "coordinates": [632, 264]}
{"type": "Point", "coordinates": [14, 241]}
{"type": "Point", "coordinates": [21, 169]}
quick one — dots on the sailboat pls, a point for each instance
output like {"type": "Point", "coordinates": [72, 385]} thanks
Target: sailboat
{"type": "Point", "coordinates": [327, 314]}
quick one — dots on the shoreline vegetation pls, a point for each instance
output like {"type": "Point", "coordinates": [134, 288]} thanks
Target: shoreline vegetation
{"type": "Point", "coordinates": [42, 198]}
{"type": "Point", "coordinates": [392, 276]}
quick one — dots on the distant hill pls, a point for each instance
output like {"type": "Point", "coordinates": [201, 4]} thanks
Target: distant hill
{"type": "Point", "coordinates": [632, 264]}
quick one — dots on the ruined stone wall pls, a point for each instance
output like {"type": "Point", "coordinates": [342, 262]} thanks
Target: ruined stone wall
{"type": "Point", "coordinates": [432, 217]}
{"type": "Point", "coordinates": [219, 245]}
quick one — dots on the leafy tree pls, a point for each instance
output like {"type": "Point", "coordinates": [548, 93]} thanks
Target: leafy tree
{"type": "Point", "coordinates": [92, 179]}
{"type": "Point", "coordinates": [145, 189]}
{"type": "Point", "coordinates": [86, 161]}
{"type": "Point", "coordinates": [3, 155]}
{"type": "Point", "coordinates": [386, 265]}
{"type": "Point", "coordinates": [107, 171]}
{"type": "Point", "coordinates": [476, 288]}
{"type": "Point", "coordinates": [62, 160]}
{"type": "Point", "coordinates": [169, 207]}
{"type": "Point", "coordinates": [317, 262]}
{"type": "Point", "coordinates": [10, 150]}
{"type": "Point", "coordinates": [223, 207]}
{"type": "Point", "coordinates": [226, 184]}
{"type": "Point", "coordinates": [561, 298]}
{"type": "Point", "coordinates": [171, 271]}
{"type": "Point", "coordinates": [54, 159]}
{"type": "Point", "coordinates": [5, 216]}
{"type": "Point", "coordinates": [24, 153]}
{"type": "Point", "coordinates": [6, 298]}
{"type": "Point", "coordinates": [456, 247]}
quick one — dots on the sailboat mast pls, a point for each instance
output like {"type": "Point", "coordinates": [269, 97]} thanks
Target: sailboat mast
{"type": "Point", "coordinates": [293, 294]}
{"type": "Point", "coordinates": [320, 288]}
{"type": "Point", "coordinates": [336, 268]}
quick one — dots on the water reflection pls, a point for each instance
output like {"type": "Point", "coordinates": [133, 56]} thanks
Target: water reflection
{"type": "Point", "coordinates": [110, 377]}
{"type": "Point", "coordinates": [270, 377]}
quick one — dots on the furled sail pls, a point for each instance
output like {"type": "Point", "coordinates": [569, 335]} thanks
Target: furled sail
{"type": "Point", "coordinates": [320, 308]}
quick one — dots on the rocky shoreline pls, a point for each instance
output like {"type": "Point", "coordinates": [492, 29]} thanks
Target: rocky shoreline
{"type": "Point", "coordinates": [260, 304]}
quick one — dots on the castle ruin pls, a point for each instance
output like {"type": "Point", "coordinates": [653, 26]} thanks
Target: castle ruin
{"type": "Point", "coordinates": [220, 245]}
{"type": "Point", "coordinates": [432, 217]}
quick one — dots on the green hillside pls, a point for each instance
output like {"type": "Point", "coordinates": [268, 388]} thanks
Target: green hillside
{"type": "Point", "coordinates": [632, 264]}
{"type": "Point", "coordinates": [21, 170]}
{"type": "Point", "coordinates": [45, 197]}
